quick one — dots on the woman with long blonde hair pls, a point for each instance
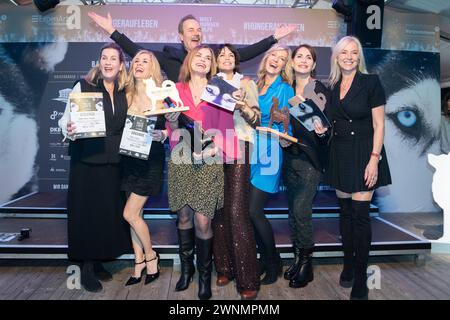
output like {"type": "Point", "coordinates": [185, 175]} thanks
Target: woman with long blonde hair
{"type": "Point", "coordinates": [143, 178]}
{"type": "Point", "coordinates": [274, 84]}
{"type": "Point", "coordinates": [357, 164]}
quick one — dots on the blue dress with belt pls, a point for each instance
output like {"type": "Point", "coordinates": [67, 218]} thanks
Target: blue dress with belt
{"type": "Point", "coordinates": [267, 155]}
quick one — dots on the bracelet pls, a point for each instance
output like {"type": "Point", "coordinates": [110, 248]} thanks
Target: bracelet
{"type": "Point", "coordinates": [376, 155]}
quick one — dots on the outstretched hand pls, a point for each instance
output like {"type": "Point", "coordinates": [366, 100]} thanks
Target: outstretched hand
{"type": "Point", "coordinates": [103, 22]}
{"type": "Point", "coordinates": [284, 30]}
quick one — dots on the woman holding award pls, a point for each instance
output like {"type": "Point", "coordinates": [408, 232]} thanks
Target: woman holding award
{"type": "Point", "coordinates": [303, 166]}
{"type": "Point", "coordinates": [143, 178]}
{"type": "Point", "coordinates": [358, 161]}
{"type": "Point", "coordinates": [234, 244]}
{"type": "Point", "coordinates": [274, 85]}
{"type": "Point", "coordinates": [96, 228]}
{"type": "Point", "coordinates": [196, 178]}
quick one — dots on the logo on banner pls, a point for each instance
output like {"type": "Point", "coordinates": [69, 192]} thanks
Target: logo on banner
{"type": "Point", "coordinates": [63, 95]}
{"type": "Point", "coordinates": [55, 115]}
{"type": "Point", "coordinates": [74, 18]}
{"type": "Point", "coordinates": [374, 21]}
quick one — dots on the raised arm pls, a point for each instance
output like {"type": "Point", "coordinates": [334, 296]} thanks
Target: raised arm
{"type": "Point", "coordinates": [253, 50]}
{"type": "Point", "coordinates": [122, 40]}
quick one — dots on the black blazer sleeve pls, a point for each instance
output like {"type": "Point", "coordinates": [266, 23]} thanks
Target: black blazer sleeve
{"type": "Point", "coordinates": [125, 43]}
{"type": "Point", "coordinates": [131, 48]}
{"type": "Point", "coordinates": [254, 50]}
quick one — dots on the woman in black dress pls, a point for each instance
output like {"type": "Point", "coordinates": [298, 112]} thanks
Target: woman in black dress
{"type": "Point", "coordinates": [143, 178]}
{"type": "Point", "coordinates": [96, 228]}
{"type": "Point", "coordinates": [303, 166]}
{"type": "Point", "coordinates": [358, 163]}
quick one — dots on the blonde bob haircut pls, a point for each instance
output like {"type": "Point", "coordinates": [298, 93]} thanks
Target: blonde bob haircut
{"type": "Point", "coordinates": [286, 71]}
{"type": "Point", "coordinates": [186, 68]}
{"type": "Point", "coordinates": [335, 72]}
{"type": "Point", "coordinates": [95, 73]}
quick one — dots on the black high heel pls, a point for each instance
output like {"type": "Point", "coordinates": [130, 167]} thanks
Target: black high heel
{"type": "Point", "coordinates": [149, 278]}
{"type": "Point", "coordinates": [134, 280]}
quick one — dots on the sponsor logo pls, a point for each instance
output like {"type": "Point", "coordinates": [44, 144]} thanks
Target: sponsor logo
{"type": "Point", "coordinates": [63, 95]}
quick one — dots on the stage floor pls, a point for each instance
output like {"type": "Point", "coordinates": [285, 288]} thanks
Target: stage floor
{"type": "Point", "coordinates": [53, 204]}
{"type": "Point", "coordinates": [45, 214]}
{"type": "Point", "coordinates": [49, 238]}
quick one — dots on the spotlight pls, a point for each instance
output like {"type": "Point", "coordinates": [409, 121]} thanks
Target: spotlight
{"type": "Point", "coordinates": [44, 5]}
{"type": "Point", "coordinates": [343, 7]}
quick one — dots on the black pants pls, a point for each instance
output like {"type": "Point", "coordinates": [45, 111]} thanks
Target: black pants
{"type": "Point", "coordinates": [301, 179]}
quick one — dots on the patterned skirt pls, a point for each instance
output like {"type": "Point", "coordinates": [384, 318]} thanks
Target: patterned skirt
{"type": "Point", "coordinates": [199, 186]}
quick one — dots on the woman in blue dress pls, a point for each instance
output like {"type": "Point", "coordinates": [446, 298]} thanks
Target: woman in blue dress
{"type": "Point", "coordinates": [274, 81]}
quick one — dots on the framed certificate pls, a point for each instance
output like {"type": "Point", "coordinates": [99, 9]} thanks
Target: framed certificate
{"type": "Point", "coordinates": [86, 111]}
{"type": "Point", "coordinates": [136, 137]}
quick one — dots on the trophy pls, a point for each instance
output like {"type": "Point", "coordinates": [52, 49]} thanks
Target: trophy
{"type": "Point", "coordinates": [167, 93]}
{"type": "Point", "coordinates": [278, 116]}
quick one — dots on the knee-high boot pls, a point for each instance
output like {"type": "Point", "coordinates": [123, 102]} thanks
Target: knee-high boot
{"type": "Point", "coordinates": [186, 240]}
{"type": "Point", "coordinates": [346, 230]}
{"type": "Point", "coordinates": [204, 267]}
{"type": "Point", "coordinates": [362, 237]}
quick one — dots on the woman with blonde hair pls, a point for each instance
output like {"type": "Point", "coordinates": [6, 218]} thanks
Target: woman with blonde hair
{"type": "Point", "coordinates": [96, 228]}
{"type": "Point", "coordinates": [196, 187]}
{"type": "Point", "coordinates": [143, 178]}
{"type": "Point", "coordinates": [358, 163]}
{"type": "Point", "coordinates": [274, 84]}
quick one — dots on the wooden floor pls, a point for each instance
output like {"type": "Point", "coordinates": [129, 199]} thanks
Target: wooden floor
{"type": "Point", "coordinates": [401, 277]}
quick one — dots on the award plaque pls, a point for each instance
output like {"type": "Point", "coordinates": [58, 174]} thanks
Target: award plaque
{"type": "Point", "coordinates": [278, 116]}
{"type": "Point", "coordinates": [164, 99]}
{"type": "Point", "coordinates": [309, 109]}
{"type": "Point", "coordinates": [136, 137]}
{"type": "Point", "coordinates": [220, 93]}
{"type": "Point", "coordinates": [86, 111]}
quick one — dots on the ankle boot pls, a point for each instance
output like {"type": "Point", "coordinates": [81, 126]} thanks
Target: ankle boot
{"type": "Point", "coordinates": [186, 251]}
{"type": "Point", "coordinates": [293, 268]}
{"type": "Point", "coordinates": [305, 272]}
{"type": "Point", "coordinates": [346, 230]}
{"type": "Point", "coordinates": [204, 267]}
{"type": "Point", "coordinates": [274, 269]}
{"type": "Point", "coordinates": [362, 237]}
{"type": "Point", "coordinates": [88, 279]}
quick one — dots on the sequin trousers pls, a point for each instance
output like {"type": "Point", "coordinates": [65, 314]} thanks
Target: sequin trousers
{"type": "Point", "coordinates": [234, 245]}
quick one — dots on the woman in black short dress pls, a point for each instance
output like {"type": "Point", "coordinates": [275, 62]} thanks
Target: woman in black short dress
{"type": "Point", "coordinates": [358, 163]}
{"type": "Point", "coordinates": [142, 178]}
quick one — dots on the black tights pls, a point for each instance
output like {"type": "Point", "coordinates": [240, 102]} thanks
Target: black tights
{"type": "Point", "coordinates": [263, 229]}
{"type": "Point", "coordinates": [186, 217]}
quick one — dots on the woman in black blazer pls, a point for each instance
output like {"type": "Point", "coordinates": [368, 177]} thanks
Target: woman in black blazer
{"type": "Point", "coordinates": [358, 163]}
{"type": "Point", "coordinates": [95, 202]}
{"type": "Point", "coordinates": [303, 166]}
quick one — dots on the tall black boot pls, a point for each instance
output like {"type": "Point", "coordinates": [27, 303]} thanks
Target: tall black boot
{"type": "Point", "coordinates": [362, 236]}
{"type": "Point", "coordinates": [186, 240]}
{"type": "Point", "coordinates": [293, 268]}
{"type": "Point", "coordinates": [346, 230]}
{"type": "Point", "coordinates": [305, 272]}
{"type": "Point", "coordinates": [88, 279]}
{"type": "Point", "coordinates": [204, 267]}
